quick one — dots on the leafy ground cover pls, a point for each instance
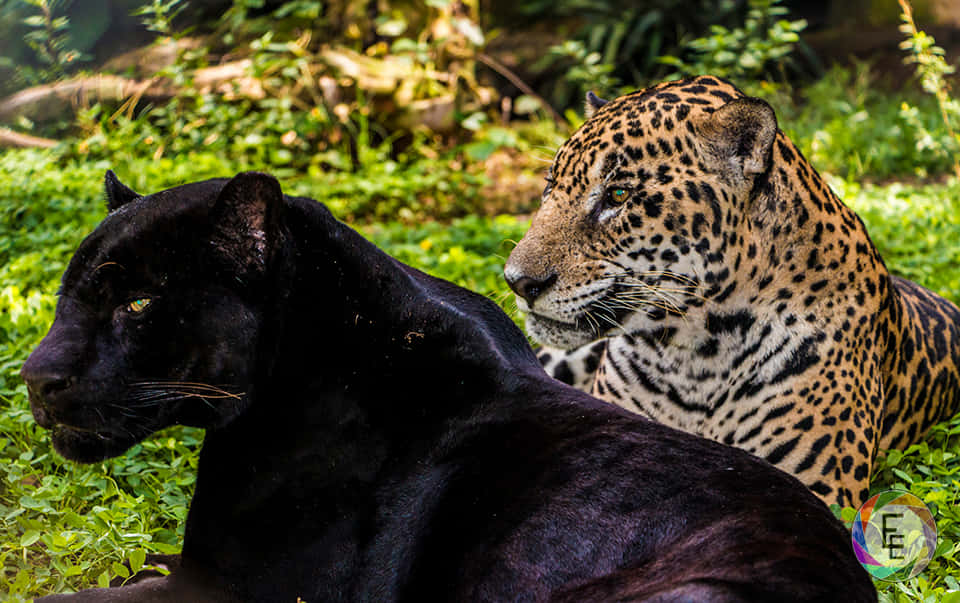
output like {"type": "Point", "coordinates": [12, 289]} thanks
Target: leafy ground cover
{"type": "Point", "coordinates": [66, 527]}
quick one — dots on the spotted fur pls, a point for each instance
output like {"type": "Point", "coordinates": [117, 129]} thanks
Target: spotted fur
{"type": "Point", "coordinates": [733, 294]}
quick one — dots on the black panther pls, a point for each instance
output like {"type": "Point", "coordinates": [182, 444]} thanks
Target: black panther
{"type": "Point", "coordinates": [376, 434]}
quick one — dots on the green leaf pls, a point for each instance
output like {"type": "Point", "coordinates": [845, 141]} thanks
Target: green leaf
{"type": "Point", "coordinates": [893, 458]}
{"type": "Point", "coordinates": [392, 28]}
{"type": "Point", "coordinates": [903, 475]}
{"type": "Point", "coordinates": [474, 121]}
{"type": "Point", "coordinates": [480, 150]}
{"type": "Point", "coordinates": [120, 569]}
{"type": "Point", "coordinates": [525, 105]}
{"type": "Point", "coordinates": [29, 537]}
{"type": "Point", "coordinates": [137, 557]}
{"type": "Point", "coordinates": [470, 30]}
{"type": "Point", "coordinates": [944, 546]}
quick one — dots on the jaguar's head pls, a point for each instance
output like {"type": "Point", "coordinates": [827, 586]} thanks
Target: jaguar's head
{"type": "Point", "coordinates": [643, 213]}
{"type": "Point", "coordinates": [159, 315]}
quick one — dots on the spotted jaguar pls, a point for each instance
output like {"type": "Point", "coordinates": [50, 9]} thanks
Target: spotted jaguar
{"type": "Point", "coordinates": [689, 264]}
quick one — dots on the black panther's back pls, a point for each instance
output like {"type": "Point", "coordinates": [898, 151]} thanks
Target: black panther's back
{"type": "Point", "coordinates": [571, 500]}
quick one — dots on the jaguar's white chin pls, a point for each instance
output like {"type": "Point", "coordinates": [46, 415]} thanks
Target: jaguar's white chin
{"type": "Point", "coordinates": [563, 335]}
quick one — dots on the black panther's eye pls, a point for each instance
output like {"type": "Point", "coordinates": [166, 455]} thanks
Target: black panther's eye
{"type": "Point", "coordinates": [138, 305]}
{"type": "Point", "coordinates": [617, 195]}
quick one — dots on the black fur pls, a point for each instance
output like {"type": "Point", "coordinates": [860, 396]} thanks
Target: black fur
{"type": "Point", "coordinates": [385, 435]}
{"type": "Point", "coordinates": [117, 193]}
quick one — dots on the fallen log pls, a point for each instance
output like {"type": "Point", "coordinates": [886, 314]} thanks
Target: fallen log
{"type": "Point", "coordinates": [146, 61]}
{"type": "Point", "coordinates": [49, 101]}
{"type": "Point", "coordinates": [9, 138]}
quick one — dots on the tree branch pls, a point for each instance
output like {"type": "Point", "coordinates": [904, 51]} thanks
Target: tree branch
{"type": "Point", "coordinates": [514, 79]}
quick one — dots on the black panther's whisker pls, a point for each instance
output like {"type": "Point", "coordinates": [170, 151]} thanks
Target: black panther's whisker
{"type": "Point", "coordinates": [123, 410]}
{"type": "Point", "coordinates": [173, 382]}
{"type": "Point", "coordinates": [151, 394]}
{"type": "Point", "coordinates": [187, 385]}
{"type": "Point", "coordinates": [198, 395]}
{"type": "Point", "coordinates": [152, 401]}
{"type": "Point", "coordinates": [156, 396]}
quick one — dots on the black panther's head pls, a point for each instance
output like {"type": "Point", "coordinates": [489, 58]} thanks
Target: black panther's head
{"type": "Point", "coordinates": [159, 316]}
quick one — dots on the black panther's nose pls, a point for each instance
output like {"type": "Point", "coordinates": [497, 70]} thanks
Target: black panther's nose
{"type": "Point", "coordinates": [44, 384]}
{"type": "Point", "coordinates": [527, 287]}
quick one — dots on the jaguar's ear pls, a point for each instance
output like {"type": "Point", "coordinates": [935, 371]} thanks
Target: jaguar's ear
{"type": "Point", "coordinates": [740, 135]}
{"type": "Point", "coordinates": [117, 193]}
{"type": "Point", "coordinates": [245, 220]}
{"type": "Point", "coordinates": [592, 103]}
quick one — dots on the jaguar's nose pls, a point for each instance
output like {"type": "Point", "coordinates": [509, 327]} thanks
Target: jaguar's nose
{"type": "Point", "coordinates": [527, 287]}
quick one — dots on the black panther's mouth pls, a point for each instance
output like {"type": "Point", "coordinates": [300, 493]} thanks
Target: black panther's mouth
{"type": "Point", "coordinates": [82, 430]}
{"type": "Point", "coordinates": [85, 445]}
{"type": "Point", "coordinates": [49, 419]}
{"type": "Point", "coordinates": [86, 441]}
{"type": "Point", "coordinates": [41, 415]}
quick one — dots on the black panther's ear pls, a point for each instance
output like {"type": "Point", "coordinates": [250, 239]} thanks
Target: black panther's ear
{"type": "Point", "coordinates": [245, 219]}
{"type": "Point", "coordinates": [740, 135]}
{"type": "Point", "coordinates": [593, 103]}
{"type": "Point", "coordinates": [118, 194]}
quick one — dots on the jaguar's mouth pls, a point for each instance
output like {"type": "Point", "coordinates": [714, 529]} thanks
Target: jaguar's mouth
{"type": "Point", "coordinates": [625, 298]}
{"type": "Point", "coordinates": [584, 328]}
{"type": "Point", "coordinates": [611, 308]}
{"type": "Point", "coordinates": [553, 322]}
{"type": "Point", "coordinates": [552, 332]}
{"type": "Point", "coordinates": [608, 312]}
{"type": "Point", "coordinates": [602, 317]}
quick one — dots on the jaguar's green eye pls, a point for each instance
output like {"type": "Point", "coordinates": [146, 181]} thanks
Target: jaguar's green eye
{"type": "Point", "coordinates": [619, 195]}
{"type": "Point", "coordinates": [138, 305]}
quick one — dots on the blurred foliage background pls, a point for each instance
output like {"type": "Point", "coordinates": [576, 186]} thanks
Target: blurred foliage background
{"type": "Point", "coordinates": [428, 124]}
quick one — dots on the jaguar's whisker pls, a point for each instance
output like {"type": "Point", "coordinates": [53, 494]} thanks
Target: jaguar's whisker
{"type": "Point", "coordinates": [592, 320]}
{"type": "Point", "coordinates": [637, 300]}
{"type": "Point", "coordinates": [677, 290]}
